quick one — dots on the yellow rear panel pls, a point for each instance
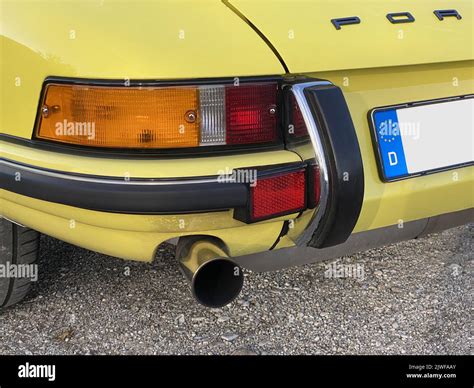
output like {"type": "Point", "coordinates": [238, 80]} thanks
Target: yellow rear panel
{"type": "Point", "coordinates": [410, 199]}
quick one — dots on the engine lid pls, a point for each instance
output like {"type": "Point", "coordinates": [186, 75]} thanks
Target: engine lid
{"type": "Point", "coordinates": [309, 37]}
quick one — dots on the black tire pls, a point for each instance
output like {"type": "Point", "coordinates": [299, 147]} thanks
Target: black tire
{"type": "Point", "coordinates": [19, 245]}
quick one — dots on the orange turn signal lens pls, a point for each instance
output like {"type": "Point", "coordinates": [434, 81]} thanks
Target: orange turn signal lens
{"type": "Point", "coordinates": [120, 117]}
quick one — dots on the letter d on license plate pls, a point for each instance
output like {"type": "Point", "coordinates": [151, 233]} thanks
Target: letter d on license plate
{"type": "Point", "coordinates": [420, 138]}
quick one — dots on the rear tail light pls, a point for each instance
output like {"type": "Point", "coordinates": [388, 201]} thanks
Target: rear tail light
{"type": "Point", "coordinates": [159, 117]}
{"type": "Point", "coordinates": [273, 196]}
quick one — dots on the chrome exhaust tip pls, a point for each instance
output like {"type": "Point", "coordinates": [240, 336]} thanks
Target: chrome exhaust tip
{"type": "Point", "coordinates": [215, 280]}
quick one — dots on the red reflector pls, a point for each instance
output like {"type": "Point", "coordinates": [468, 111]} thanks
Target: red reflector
{"type": "Point", "coordinates": [251, 115]}
{"type": "Point", "coordinates": [278, 195]}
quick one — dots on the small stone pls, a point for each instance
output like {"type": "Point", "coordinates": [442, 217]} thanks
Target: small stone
{"type": "Point", "coordinates": [229, 337]}
{"type": "Point", "coordinates": [65, 335]}
{"type": "Point", "coordinates": [180, 319]}
{"type": "Point", "coordinates": [222, 318]}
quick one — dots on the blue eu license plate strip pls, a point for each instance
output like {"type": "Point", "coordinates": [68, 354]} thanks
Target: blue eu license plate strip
{"type": "Point", "coordinates": [420, 138]}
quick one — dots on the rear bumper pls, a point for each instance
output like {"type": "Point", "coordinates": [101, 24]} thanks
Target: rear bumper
{"type": "Point", "coordinates": [137, 236]}
{"type": "Point", "coordinates": [87, 201]}
{"type": "Point", "coordinates": [335, 151]}
{"type": "Point", "coordinates": [113, 194]}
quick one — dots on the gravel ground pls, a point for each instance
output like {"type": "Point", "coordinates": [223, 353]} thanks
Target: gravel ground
{"type": "Point", "coordinates": [415, 298]}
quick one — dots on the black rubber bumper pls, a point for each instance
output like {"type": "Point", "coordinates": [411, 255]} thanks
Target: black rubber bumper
{"type": "Point", "coordinates": [346, 195]}
{"type": "Point", "coordinates": [137, 196]}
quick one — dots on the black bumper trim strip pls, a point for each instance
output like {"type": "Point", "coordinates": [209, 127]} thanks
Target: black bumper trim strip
{"type": "Point", "coordinates": [119, 195]}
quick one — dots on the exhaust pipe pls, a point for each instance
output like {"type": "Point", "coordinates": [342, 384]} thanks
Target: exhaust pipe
{"type": "Point", "coordinates": [215, 279]}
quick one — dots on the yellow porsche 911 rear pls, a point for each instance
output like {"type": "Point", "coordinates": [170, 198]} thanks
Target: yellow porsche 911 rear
{"type": "Point", "coordinates": [258, 136]}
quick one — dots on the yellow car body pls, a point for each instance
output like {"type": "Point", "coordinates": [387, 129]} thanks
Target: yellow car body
{"type": "Point", "coordinates": [375, 64]}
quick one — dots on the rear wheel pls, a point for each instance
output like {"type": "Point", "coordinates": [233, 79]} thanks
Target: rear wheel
{"type": "Point", "coordinates": [19, 245]}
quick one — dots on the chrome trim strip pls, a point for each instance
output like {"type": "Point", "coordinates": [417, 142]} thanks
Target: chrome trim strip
{"type": "Point", "coordinates": [12, 221]}
{"type": "Point", "coordinates": [109, 180]}
{"type": "Point", "coordinates": [298, 91]}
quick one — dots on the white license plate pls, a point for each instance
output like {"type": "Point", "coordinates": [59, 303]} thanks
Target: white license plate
{"type": "Point", "coordinates": [419, 138]}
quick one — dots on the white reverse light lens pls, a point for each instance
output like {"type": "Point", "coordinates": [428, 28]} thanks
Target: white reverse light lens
{"type": "Point", "coordinates": [212, 113]}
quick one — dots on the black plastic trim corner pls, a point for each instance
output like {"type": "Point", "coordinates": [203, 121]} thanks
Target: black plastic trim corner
{"type": "Point", "coordinates": [345, 169]}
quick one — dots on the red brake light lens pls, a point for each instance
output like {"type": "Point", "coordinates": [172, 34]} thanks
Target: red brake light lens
{"type": "Point", "coordinates": [251, 113]}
